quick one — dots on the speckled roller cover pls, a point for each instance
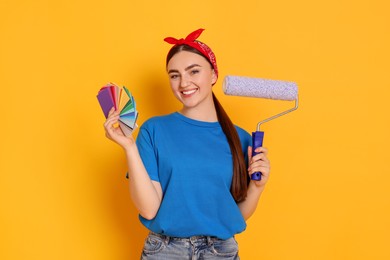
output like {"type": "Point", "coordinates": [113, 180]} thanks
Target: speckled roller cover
{"type": "Point", "coordinates": [260, 88]}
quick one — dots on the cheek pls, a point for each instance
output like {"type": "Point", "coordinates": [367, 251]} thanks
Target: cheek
{"type": "Point", "coordinates": [208, 81]}
{"type": "Point", "coordinates": [174, 88]}
{"type": "Point", "coordinates": [175, 85]}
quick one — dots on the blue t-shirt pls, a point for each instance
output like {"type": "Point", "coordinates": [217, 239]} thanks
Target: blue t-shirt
{"type": "Point", "coordinates": [192, 161]}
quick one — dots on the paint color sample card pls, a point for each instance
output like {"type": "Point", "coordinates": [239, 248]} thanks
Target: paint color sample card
{"type": "Point", "coordinates": [121, 99]}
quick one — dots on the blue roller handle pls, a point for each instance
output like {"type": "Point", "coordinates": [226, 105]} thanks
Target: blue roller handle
{"type": "Point", "coordinates": [257, 141]}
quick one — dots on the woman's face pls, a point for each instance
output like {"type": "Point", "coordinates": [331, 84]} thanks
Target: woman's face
{"type": "Point", "coordinates": [191, 78]}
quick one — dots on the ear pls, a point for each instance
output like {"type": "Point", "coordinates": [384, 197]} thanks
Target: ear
{"type": "Point", "coordinates": [213, 77]}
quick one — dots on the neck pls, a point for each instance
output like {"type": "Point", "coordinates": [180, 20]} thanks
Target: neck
{"type": "Point", "coordinates": [206, 113]}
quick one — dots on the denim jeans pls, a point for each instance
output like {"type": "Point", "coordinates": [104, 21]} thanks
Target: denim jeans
{"type": "Point", "coordinates": [160, 247]}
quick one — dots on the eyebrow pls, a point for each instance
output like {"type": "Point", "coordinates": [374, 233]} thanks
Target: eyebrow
{"type": "Point", "coordinates": [186, 69]}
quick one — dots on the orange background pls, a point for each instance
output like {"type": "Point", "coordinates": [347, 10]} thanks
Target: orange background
{"type": "Point", "coordinates": [63, 194]}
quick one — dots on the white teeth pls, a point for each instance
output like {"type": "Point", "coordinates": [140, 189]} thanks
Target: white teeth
{"type": "Point", "coordinates": [189, 92]}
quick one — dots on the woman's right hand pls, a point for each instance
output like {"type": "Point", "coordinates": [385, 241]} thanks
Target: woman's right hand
{"type": "Point", "coordinates": [114, 133]}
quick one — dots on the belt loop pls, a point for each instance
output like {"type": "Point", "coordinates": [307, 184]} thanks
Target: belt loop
{"type": "Point", "coordinates": [209, 241]}
{"type": "Point", "coordinates": [167, 238]}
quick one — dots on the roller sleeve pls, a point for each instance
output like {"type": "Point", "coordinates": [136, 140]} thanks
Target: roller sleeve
{"type": "Point", "coordinates": [260, 88]}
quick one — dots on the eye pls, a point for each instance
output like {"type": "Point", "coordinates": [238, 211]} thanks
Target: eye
{"type": "Point", "coordinates": [193, 72]}
{"type": "Point", "coordinates": [173, 76]}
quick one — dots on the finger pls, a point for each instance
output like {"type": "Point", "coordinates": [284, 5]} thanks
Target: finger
{"type": "Point", "coordinates": [112, 111]}
{"type": "Point", "coordinates": [254, 167]}
{"type": "Point", "coordinates": [110, 121]}
{"type": "Point", "coordinates": [259, 157]}
{"type": "Point", "coordinates": [262, 150]}
{"type": "Point", "coordinates": [113, 132]}
{"type": "Point", "coordinates": [258, 164]}
{"type": "Point", "coordinates": [110, 132]}
{"type": "Point", "coordinates": [249, 153]}
{"type": "Point", "coordinates": [113, 116]}
{"type": "Point", "coordinates": [263, 170]}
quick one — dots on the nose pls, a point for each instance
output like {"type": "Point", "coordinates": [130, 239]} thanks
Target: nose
{"type": "Point", "coordinates": [184, 81]}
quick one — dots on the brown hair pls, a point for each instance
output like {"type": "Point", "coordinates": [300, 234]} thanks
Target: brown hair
{"type": "Point", "coordinates": [240, 179]}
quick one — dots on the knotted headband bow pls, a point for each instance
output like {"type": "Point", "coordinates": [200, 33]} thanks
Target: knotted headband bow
{"type": "Point", "coordinates": [191, 41]}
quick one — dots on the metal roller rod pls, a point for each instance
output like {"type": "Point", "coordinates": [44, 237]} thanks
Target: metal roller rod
{"type": "Point", "coordinates": [278, 115]}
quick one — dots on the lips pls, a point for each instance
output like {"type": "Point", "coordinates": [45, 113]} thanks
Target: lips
{"type": "Point", "coordinates": [188, 92]}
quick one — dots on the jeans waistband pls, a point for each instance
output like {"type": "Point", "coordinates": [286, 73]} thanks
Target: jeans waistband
{"type": "Point", "coordinates": [194, 239]}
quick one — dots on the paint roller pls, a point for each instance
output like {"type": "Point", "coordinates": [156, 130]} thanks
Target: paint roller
{"type": "Point", "coordinates": [261, 88]}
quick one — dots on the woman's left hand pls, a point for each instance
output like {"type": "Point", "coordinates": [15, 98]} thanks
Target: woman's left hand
{"type": "Point", "coordinates": [259, 163]}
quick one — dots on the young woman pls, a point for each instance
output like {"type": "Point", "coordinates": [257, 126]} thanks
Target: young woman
{"type": "Point", "coordinates": [189, 171]}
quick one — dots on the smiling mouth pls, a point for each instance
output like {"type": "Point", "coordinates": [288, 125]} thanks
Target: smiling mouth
{"type": "Point", "coordinates": [188, 92]}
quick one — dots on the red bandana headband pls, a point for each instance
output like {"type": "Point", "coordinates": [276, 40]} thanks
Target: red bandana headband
{"type": "Point", "coordinates": [190, 40]}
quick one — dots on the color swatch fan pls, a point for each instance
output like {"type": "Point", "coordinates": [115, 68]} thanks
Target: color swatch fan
{"type": "Point", "coordinates": [113, 96]}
